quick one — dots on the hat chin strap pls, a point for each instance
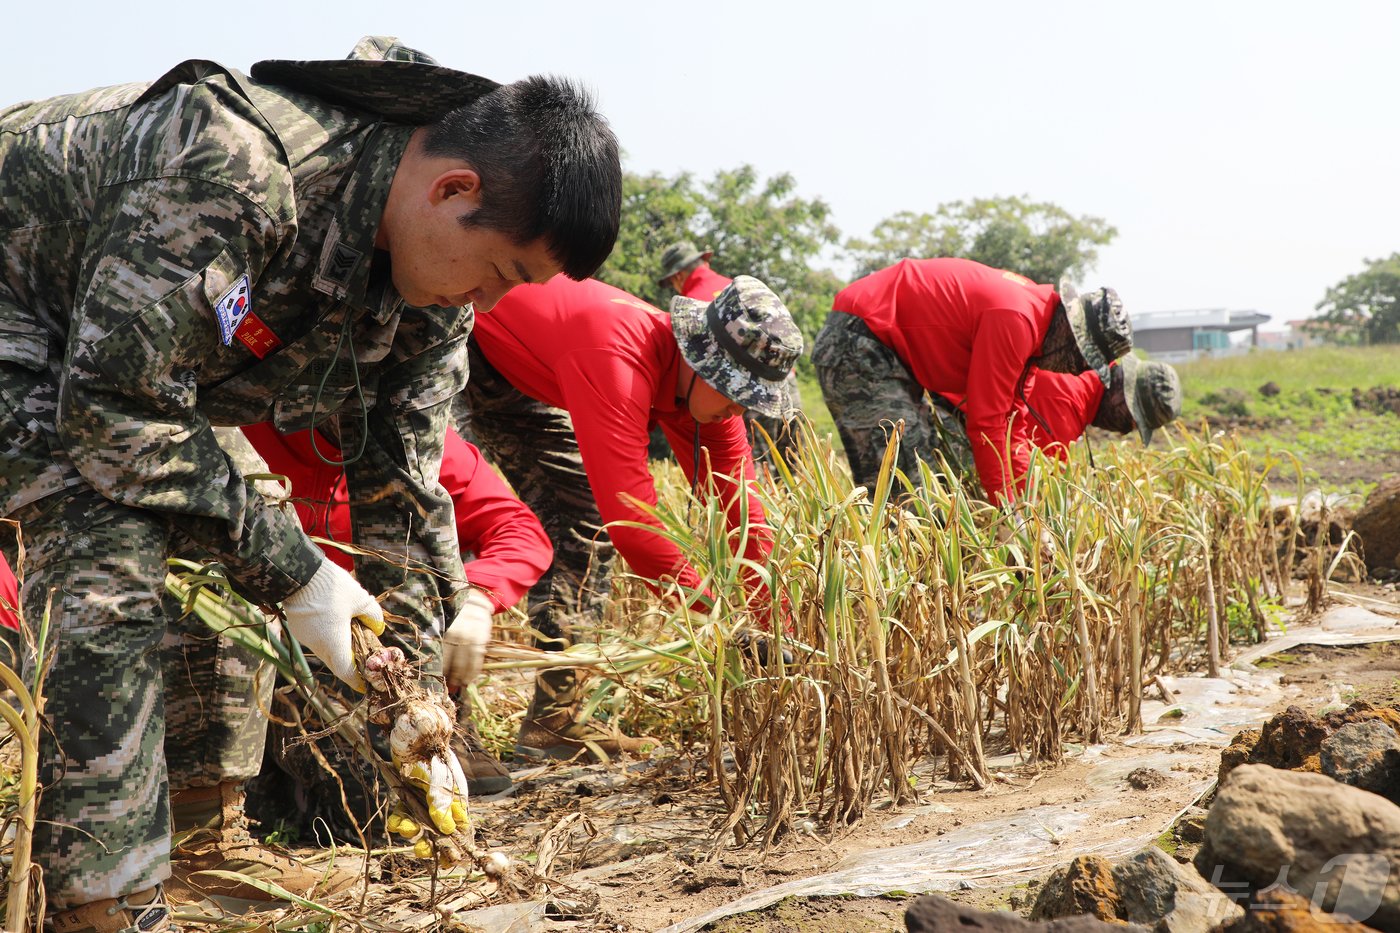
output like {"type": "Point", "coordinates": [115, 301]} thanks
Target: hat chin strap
{"type": "Point", "coordinates": [695, 463]}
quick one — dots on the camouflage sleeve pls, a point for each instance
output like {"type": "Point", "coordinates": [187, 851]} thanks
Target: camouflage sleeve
{"type": "Point", "coordinates": [398, 507]}
{"type": "Point", "coordinates": [140, 332]}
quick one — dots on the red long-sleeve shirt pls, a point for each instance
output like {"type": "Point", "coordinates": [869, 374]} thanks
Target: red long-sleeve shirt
{"type": "Point", "coordinates": [508, 547]}
{"type": "Point", "coordinates": [610, 360]}
{"type": "Point", "coordinates": [1067, 403]}
{"type": "Point", "coordinates": [704, 283]}
{"type": "Point", "coordinates": [9, 595]}
{"type": "Point", "coordinates": [966, 329]}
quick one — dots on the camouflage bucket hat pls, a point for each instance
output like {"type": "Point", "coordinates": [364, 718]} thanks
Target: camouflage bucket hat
{"type": "Point", "coordinates": [744, 343]}
{"type": "Point", "coordinates": [383, 77]}
{"type": "Point", "coordinates": [1153, 391]}
{"type": "Point", "coordinates": [1101, 326]}
{"type": "Point", "coordinates": [679, 255]}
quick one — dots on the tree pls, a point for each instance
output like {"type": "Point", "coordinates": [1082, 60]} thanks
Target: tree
{"type": "Point", "coordinates": [758, 229]}
{"type": "Point", "coordinates": [1363, 308]}
{"type": "Point", "coordinates": [767, 232]}
{"type": "Point", "coordinates": [656, 211]}
{"type": "Point", "coordinates": [1041, 241]}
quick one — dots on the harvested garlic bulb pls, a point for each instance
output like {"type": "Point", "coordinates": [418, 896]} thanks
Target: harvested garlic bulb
{"type": "Point", "coordinates": [422, 731]}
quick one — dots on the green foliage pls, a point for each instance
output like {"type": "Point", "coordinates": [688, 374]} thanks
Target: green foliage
{"type": "Point", "coordinates": [768, 232]}
{"type": "Point", "coordinates": [1240, 622]}
{"type": "Point", "coordinates": [758, 228]}
{"type": "Point", "coordinates": [1363, 308]}
{"type": "Point", "coordinates": [1293, 371]}
{"type": "Point", "coordinates": [814, 407]}
{"type": "Point", "coordinates": [1039, 240]}
{"type": "Point", "coordinates": [656, 211]}
{"type": "Point", "coordinates": [1313, 416]}
{"type": "Point", "coordinates": [1228, 401]}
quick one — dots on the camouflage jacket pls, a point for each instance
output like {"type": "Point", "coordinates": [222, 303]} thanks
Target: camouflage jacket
{"type": "Point", "coordinates": [200, 251]}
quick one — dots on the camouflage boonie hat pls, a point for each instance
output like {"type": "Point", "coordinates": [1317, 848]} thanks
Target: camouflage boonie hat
{"type": "Point", "coordinates": [678, 256]}
{"type": "Point", "coordinates": [1153, 391]}
{"type": "Point", "coordinates": [1101, 326]}
{"type": "Point", "coordinates": [744, 343]}
{"type": "Point", "coordinates": [381, 76]}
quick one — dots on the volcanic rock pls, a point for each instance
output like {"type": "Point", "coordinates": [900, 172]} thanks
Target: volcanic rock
{"type": "Point", "coordinates": [1277, 911]}
{"type": "Point", "coordinates": [1333, 843]}
{"type": "Point", "coordinates": [1377, 524]}
{"type": "Point", "coordinates": [1292, 740]}
{"type": "Point", "coordinates": [1149, 888]}
{"type": "Point", "coordinates": [1364, 754]}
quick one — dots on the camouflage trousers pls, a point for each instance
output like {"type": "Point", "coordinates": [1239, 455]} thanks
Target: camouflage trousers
{"type": "Point", "coordinates": [134, 695]}
{"type": "Point", "coordinates": [868, 389]}
{"type": "Point", "coordinates": [534, 447]}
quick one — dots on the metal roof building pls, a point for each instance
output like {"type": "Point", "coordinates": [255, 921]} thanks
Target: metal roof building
{"type": "Point", "coordinates": [1174, 336]}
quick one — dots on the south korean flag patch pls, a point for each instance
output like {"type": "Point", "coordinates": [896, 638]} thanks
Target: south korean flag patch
{"type": "Point", "coordinates": [233, 307]}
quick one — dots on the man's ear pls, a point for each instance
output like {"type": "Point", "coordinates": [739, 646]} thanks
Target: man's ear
{"type": "Point", "coordinates": [459, 185]}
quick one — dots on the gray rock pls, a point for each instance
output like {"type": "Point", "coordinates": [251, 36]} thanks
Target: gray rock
{"type": "Point", "coordinates": [934, 914]}
{"type": "Point", "coordinates": [1154, 890]}
{"type": "Point", "coordinates": [1328, 841]}
{"type": "Point", "coordinates": [1148, 888]}
{"type": "Point", "coordinates": [1084, 886]}
{"type": "Point", "coordinates": [1365, 755]}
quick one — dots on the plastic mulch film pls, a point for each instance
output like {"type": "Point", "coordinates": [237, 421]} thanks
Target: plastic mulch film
{"type": "Point", "coordinates": [1184, 736]}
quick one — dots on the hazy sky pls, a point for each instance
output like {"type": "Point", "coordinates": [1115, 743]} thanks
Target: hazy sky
{"type": "Point", "coordinates": [1246, 151]}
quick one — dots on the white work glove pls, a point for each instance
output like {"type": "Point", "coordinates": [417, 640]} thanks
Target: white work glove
{"type": "Point", "coordinates": [321, 614]}
{"type": "Point", "coordinates": [464, 642]}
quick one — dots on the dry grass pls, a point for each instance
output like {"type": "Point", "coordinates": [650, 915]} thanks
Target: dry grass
{"type": "Point", "coordinates": [924, 621]}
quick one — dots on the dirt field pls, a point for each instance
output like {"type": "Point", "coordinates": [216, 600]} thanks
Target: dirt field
{"type": "Point", "coordinates": [637, 839]}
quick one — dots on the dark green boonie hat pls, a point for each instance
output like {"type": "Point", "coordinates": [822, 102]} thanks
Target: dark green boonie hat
{"type": "Point", "coordinates": [678, 256]}
{"type": "Point", "coordinates": [381, 76]}
{"type": "Point", "coordinates": [1153, 391]}
{"type": "Point", "coordinates": [1101, 326]}
{"type": "Point", "coordinates": [744, 343]}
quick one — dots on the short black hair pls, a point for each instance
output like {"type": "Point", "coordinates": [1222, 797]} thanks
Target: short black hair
{"type": "Point", "coordinates": [549, 167]}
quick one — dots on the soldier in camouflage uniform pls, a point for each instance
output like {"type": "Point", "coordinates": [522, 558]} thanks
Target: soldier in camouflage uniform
{"type": "Point", "coordinates": [868, 390]}
{"type": "Point", "coordinates": [567, 380]}
{"type": "Point", "coordinates": [218, 249]}
{"type": "Point", "coordinates": [954, 326]}
{"type": "Point", "coordinates": [1134, 394]}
